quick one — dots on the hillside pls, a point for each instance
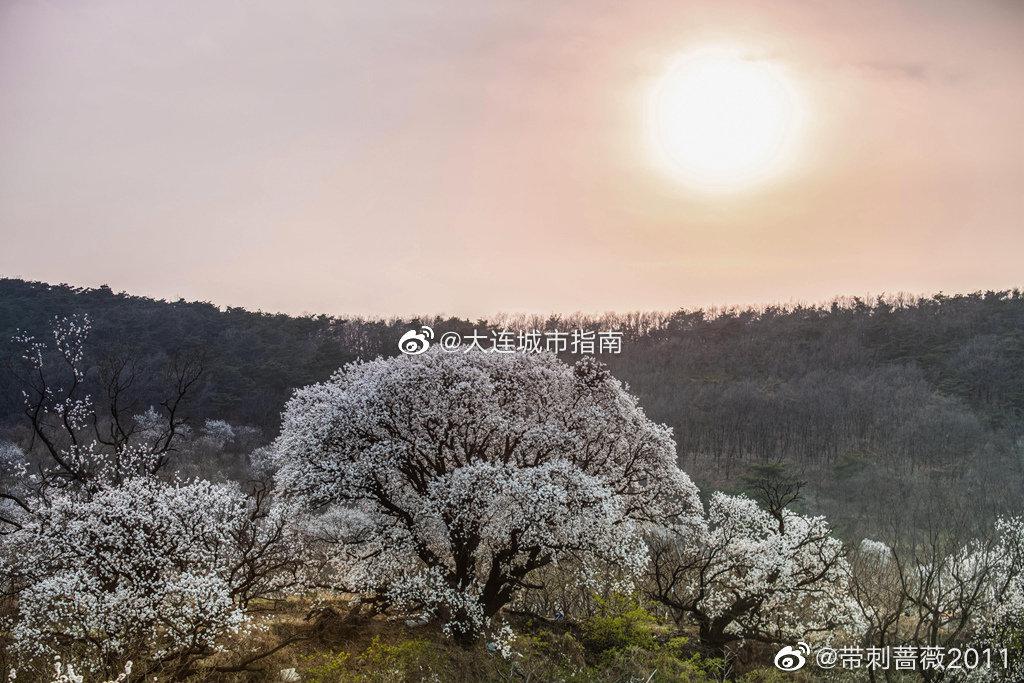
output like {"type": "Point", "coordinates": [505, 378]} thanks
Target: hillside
{"type": "Point", "coordinates": [916, 402]}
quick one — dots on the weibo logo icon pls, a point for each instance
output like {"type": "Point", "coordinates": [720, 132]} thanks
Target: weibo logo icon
{"type": "Point", "coordinates": [414, 342]}
{"type": "Point", "coordinates": [792, 658]}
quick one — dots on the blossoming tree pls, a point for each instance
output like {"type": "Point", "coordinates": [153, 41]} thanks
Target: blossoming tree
{"type": "Point", "coordinates": [87, 441]}
{"type": "Point", "coordinates": [448, 479]}
{"type": "Point", "coordinates": [1001, 623]}
{"type": "Point", "coordinates": [748, 573]}
{"type": "Point", "coordinates": [943, 587]}
{"type": "Point", "coordinates": [144, 569]}
{"type": "Point", "coordinates": [109, 556]}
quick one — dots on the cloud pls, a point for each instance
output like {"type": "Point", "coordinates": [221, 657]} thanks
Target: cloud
{"type": "Point", "coordinates": [911, 71]}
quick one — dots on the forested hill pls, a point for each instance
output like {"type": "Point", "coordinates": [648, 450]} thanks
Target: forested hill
{"type": "Point", "coordinates": [917, 388]}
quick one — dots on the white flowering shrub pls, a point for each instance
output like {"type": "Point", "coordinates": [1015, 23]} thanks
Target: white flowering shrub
{"type": "Point", "coordinates": [448, 479]}
{"type": "Point", "coordinates": [218, 432]}
{"type": "Point", "coordinates": [746, 574]}
{"type": "Point", "coordinates": [147, 570]}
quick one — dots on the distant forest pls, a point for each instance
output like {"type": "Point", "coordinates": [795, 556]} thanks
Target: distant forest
{"type": "Point", "coordinates": [894, 411]}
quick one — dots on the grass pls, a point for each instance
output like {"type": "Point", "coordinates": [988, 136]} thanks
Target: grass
{"type": "Point", "coordinates": [622, 642]}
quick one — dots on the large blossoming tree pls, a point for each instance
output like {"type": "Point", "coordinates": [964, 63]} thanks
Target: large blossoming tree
{"type": "Point", "coordinates": [449, 479]}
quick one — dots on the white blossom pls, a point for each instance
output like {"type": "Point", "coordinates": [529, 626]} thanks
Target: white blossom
{"type": "Point", "coordinates": [1001, 623]}
{"type": "Point", "coordinates": [142, 567]}
{"type": "Point", "coordinates": [218, 432]}
{"type": "Point", "coordinates": [876, 550]}
{"type": "Point", "coordinates": [460, 474]}
{"type": "Point", "coordinates": [749, 574]}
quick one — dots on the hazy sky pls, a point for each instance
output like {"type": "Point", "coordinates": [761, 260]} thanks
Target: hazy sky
{"type": "Point", "coordinates": [472, 157]}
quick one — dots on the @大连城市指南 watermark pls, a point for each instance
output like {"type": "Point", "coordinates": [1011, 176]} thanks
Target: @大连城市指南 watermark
{"type": "Point", "coordinates": [581, 342]}
{"type": "Point", "coordinates": [907, 658]}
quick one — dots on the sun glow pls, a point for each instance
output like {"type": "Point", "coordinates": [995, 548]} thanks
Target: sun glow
{"type": "Point", "coordinates": [721, 121]}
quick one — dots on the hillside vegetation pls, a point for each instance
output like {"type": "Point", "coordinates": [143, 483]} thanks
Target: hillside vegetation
{"type": "Point", "coordinates": [189, 493]}
{"type": "Point", "coordinates": [915, 402]}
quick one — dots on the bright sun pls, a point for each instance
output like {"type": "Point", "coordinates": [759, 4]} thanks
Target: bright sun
{"type": "Point", "coordinates": [723, 121]}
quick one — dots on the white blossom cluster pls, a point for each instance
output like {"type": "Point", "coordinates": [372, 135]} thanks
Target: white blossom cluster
{"type": "Point", "coordinates": [792, 566]}
{"type": "Point", "coordinates": [150, 424]}
{"type": "Point", "coordinates": [105, 466]}
{"type": "Point", "coordinates": [1009, 568]}
{"type": "Point", "coordinates": [876, 551]}
{"type": "Point", "coordinates": [141, 567]}
{"type": "Point", "coordinates": [448, 479]}
{"type": "Point", "coordinates": [747, 574]}
{"type": "Point", "coordinates": [936, 590]}
{"type": "Point", "coordinates": [64, 415]}
{"type": "Point", "coordinates": [66, 673]}
{"type": "Point", "coordinates": [1001, 622]}
{"type": "Point", "coordinates": [70, 335]}
{"type": "Point", "coordinates": [12, 460]}
{"type": "Point", "coordinates": [15, 477]}
{"type": "Point", "coordinates": [110, 560]}
{"type": "Point", "coordinates": [218, 432]}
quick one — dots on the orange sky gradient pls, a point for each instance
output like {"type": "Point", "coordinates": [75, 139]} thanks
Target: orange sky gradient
{"type": "Point", "coordinates": [469, 158]}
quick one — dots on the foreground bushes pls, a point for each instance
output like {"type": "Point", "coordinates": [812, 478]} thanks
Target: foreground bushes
{"type": "Point", "coordinates": [623, 642]}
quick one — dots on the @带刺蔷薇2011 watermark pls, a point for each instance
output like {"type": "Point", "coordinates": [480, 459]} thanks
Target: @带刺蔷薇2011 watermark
{"type": "Point", "coordinates": [579, 341]}
{"type": "Point", "coordinates": [892, 658]}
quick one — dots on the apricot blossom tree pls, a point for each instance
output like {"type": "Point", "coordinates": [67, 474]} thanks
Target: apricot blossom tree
{"type": "Point", "coordinates": [449, 478]}
{"type": "Point", "coordinates": [747, 573]}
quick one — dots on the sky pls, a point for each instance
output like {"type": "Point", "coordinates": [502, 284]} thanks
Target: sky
{"type": "Point", "coordinates": [393, 158]}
